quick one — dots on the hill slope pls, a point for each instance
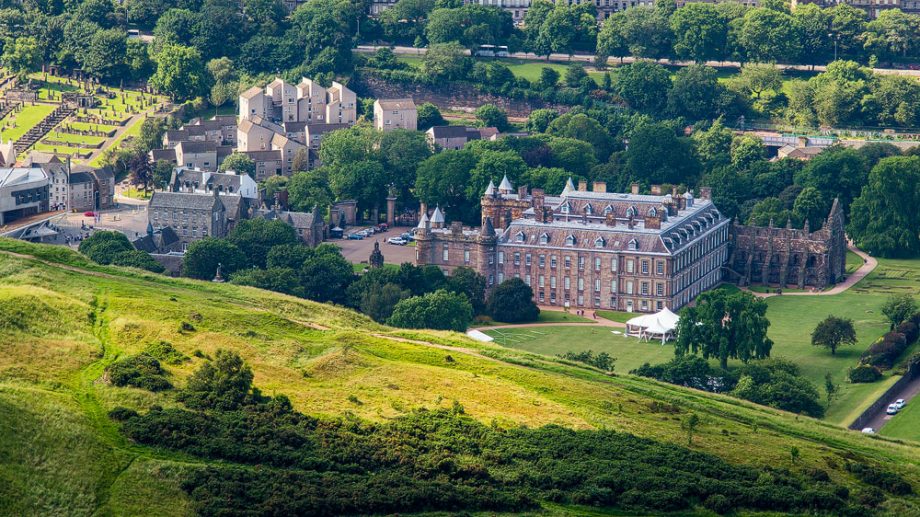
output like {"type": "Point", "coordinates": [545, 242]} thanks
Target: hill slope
{"type": "Point", "coordinates": [64, 320]}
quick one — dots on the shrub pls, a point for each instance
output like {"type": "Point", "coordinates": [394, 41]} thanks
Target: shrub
{"type": "Point", "coordinates": [864, 373]}
{"type": "Point", "coordinates": [164, 351]}
{"type": "Point", "coordinates": [602, 361]}
{"type": "Point", "coordinates": [140, 371]}
{"type": "Point", "coordinates": [440, 310]}
{"type": "Point", "coordinates": [885, 352]}
{"type": "Point", "coordinates": [884, 479]}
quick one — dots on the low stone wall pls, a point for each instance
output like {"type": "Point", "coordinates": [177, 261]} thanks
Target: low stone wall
{"type": "Point", "coordinates": [882, 403]}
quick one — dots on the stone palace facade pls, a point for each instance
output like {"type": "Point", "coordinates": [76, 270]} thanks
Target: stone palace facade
{"type": "Point", "coordinates": [626, 252]}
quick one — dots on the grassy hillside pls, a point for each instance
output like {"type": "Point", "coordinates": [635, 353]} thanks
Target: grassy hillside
{"type": "Point", "coordinates": [63, 321]}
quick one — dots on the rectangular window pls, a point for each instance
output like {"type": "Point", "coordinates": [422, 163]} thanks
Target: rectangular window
{"type": "Point", "coordinates": [629, 287]}
{"type": "Point", "coordinates": [568, 262]}
{"type": "Point", "coordinates": [566, 283]}
{"type": "Point", "coordinates": [597, 263]}
{"type": "Point", "coordinates": [541, 260]}
{"type": "Point", "coordinates": [542, 281]}
{"type": "Point", "coordinates": [597, 285]}
{"type": "Point", "coordinates": [542, 297]}
{"type": "Point", "coordinates": [659, 305]}
{"type": "Point", "coordinates": [501, 277]}
{"type": "Point", "coordinates": [466, 256]}
{"type": "Point", "coordinates": [613, 264]}
{"type": "Point", "coordinates": [659, 267]}
{"type": "Point", "coordinates": [445, 255]}
{"type": "Point", "coordinates": [581, 263]}
{"type": "Point", "coordinates": [491, 259]}
{"type": "Point", "coordinates": [527, 259]}
{"type": "Point", "coordinates": [659, 289]}
{"type": "Point", "coordinates": [552, 297]}
{"type": "Point", "coordinates": [552, 261]}
{"type": "Point", "coordinates": [501, 257]}
{"type": "Point", "coordinates": [552, 282]}
{"type": "Point", "coordinates": [581, 299]}
{"type": "Point", "coordinates": [630, 267]}
{"type": "Point", "coordinates": [491, 279]}
{"type": "Point", "coordinates": [517, 258]}
{"type": "Point", "coordinates": [527, 279]}
{"type": "Point", "coordinates": [644, 267]}
{"type": "Point", "coordinates": [644, 287]}
{"type": "Point", "coordinates": [581, 284]}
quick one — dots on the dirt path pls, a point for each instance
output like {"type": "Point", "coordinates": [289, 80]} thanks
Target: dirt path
{"type": "Point", "coordinates": [869, 264]}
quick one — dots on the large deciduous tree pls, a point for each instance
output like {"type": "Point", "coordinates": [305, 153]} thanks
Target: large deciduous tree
{"type": "Point", "coordinates": [725, 325]}
{"type": "Point", "coordinates": [769, 36]}
{"type": "Point", "coordinates": [643, 85]}
{"type": "Point", "coordinates": [180, 72]}
{"type": "Point", "coordinates": [833, 332]}
{"type": "Point", "coordinates": [700, 32]}
{"type": "Point", "coordinates": [440, 310]}
{"type": "Point", "coordinates": [202, 257]}
{"type": "Point", "coordinates": [256, 237]}
{"type": "Point", "coordinates": [512, 302]}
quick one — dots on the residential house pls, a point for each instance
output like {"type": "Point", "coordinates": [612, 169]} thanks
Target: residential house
{"type": "Point", "coordinates": [268, 163]}
{"type": "Point", "coordinates": [314, 133]}
{"type": "Point", "coordinates": [309, 226]}
{"type": "Point", "coordinates": [456, 137]}
{"type": "Point", "coordinates": [82, 189]}
{"type": "Point", "coordinates": [197, 155]}
{"type": "Point", "coordinates": [392, 114]}
{"type": "Point", "coordinates": [196, 181]}
{"type": "Point", "coordinates": [192, 216]}
{"type": "Point", "coordinates": [254, 102]}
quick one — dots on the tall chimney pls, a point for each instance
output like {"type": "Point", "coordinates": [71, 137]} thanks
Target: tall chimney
{"type": "Point", "coordinates": [610, 219]}
{"type": "Point", "coordinates": [673, 190]}
{"type": "Point", "coordinates": [635, 188]}
{"type": "Point", "coordinates": [522, 192]}
{"type": "Point", "coordinates": [582, 186]}
{"type": "Point", "coordinates": [705, 192]}
{"type": "Point", "coordinates": [600, 186]}
{"type": "Point", "coordinates": [656, 190]}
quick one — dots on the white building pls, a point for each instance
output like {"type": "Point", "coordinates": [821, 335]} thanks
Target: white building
{"type": "Point", "coordinates": [23, 193]}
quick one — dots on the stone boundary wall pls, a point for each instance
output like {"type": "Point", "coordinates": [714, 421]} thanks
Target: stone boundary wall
{"type": "Point", "coordinates": [882, 402]}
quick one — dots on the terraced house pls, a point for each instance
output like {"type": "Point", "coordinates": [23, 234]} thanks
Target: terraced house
{"type": "Point", "coordinates": [589, 249]}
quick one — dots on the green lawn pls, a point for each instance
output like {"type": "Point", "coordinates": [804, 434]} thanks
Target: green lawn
{"type": "Point", "coordinates": [853, 263]}
{"type": "Point", "coordinates": [16, 124]}
{"type": "Point", "coordinates": [792, 320]}
{"type": "Point", "coordinates": [906, 424]}
{"type": "Point", "coordinates": [544, 317]}
{"type": "Point", "coordinates": [619, 316]}
{"type": "Point", "coordinates": [74, 139]}
{"type": "Point", "coordinates": [527, 69]}
{"type": "Point", "coordinates": [630, 353]}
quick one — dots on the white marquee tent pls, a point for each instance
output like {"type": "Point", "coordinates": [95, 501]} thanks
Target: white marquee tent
{"type": "Point", "coordinates": [661, 325]}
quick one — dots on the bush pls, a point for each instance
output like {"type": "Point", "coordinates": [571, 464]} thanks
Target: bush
{"type": "Point", "coordinates": [884, 479]}
{"type": "Point", "coordinates": [164, 351]}
{"type": "Point", "coordinates": [140, 371]}
{"type": "Point", "coordinates": [602, 361]}
{"type": "Point", "coordinates": [512, 302]}
{"type": "Point", "coordinates": [864, 373]}
{"type": "Point", "coordinates": [885, 352]}
{"type": "Point", "coordinates": [440, 310]}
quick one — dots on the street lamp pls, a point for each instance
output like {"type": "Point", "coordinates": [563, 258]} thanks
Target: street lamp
{"type": "Point", "coordinates": [836, 39]}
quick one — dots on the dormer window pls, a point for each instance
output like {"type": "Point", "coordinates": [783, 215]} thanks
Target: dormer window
{"type": "Point", "coordinates": [633, 245]}
{"type": "Point", "coordinates": [599, 242]}
{"type": "Point", "coordinates": [564, 208]}
{"type": "Point", "coordinates": [608, 209]}
{"type": "Point", "coordinates": [588, 209]}
{"type": "Point", "coordinates": [631, 211]}
{"type": "Point", "coordinates": [652, 212]}
{"type": "Point", "coordinates": [570, 240]}
{"type": "Point", "coordinates": [520, 237]}
{"type": "Point", "coordinates": [544, 239]}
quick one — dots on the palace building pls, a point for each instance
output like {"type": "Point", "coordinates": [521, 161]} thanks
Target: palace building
{"type": "Point", "coordinates": [589, 249]}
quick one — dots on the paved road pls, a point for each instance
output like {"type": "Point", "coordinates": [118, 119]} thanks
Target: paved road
{"type": "Point", "coordinates": [587, 58]}
{"type": "Point", "coordinates": [908, 392]}
{"type": "Point", "coordinates": [358, 252]}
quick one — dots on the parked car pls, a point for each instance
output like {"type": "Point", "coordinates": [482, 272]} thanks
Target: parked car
{"type": "Point", "coordinates": [357, 236]}
{"type": "Point", "coordinates": [868, 430]}
{"type": "Point", "coordinates": [398, 241]}
{"type": "Point", "coordinates": [892, 409]}
{"type": "Point", "coordinates": [900, 403]}
{"type": "Point", "coordinates": [408, 236]}
{"type": "Point", "coordinates": [382, 227]}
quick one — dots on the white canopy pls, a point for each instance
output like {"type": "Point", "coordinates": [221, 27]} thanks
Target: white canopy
{"type": "Point", "coordinates": [659, 325]}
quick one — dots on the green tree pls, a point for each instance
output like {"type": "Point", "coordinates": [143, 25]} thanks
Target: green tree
{"type": "Point", "coordinates": [697, 94]}
{"type": "Point", "coordinates": [746, 151]}
{"type": "Point", "coordinates": [440, 310]}
{"type": "Point", "coordinates": [883, 220]}
{"type": "Point", "coordinates": [895, 101]}
{"type": "Point", "coordinates": [690, 424]}
{"type": "Point", "coordinates": [769, 36]}
{"type": "Point", "coordinates": [582, 127]}
{"type": "Point", "coordinates": [401, 152]}
{"type": "Point", "coordinates": [810, 205]}
{"type": "Point", "coordinates": [836, 173]}
{"type": "Point", "coordinates": [307, 190]}
{"type": "Point", "coordinates": [769, 210]}
{"type": "Point", "coordinates": [611, 40]}
{"type": "Point", "coordinates": [105, 55]}
{"type": "Point", "coordinates": [812, 23]}
{"type": "Point", "coordinates": [713, 145]}
{"type": "Point", "coordinates": [700, 32]}
{"type": "Point", "coordinates": [224, 384]}
{"type": "Point", "coordinates": [490, 115]}
{"type": "Point", "coordinates": [22, 56]}
{"type": "Point", "coordinates": [757, 78]}
{"type": "Point", "coordinates": [239, 163]}
{"type": "Point", "coordinates": [256, 237]}
{"type": "Point", "coordinates": [549, 77]}
{"type": "Point", "coordinates": [103, 247]}
{"type": "Point", "coordinates": [833, 332]}
{"type": "Point", "coordinates": [379, 300]}
{"type": "Point", "coordinates": [466, 281]}
{"type": "Point", "coordinates": [647, 32]}
{"type": "Point", "coordinates": [891, 34]}
{"type": "Point", "coordinates": [445, 62]}
{"type": "Point", "coordinates": [512, 302]}
{"type": "Point", "coordinates": [180, 72]}
{"type": "Point", "coordinates": [643, 85]}
{"type": "Point", "coordinates": [847, 25]}
{"type": "Point", "coordinates": [656, 155]}
{"type": "Point", "coordinates": [429, 116]}
{"type": "Point", "coordinates": [202, 257]}
{"type": "Point", "coordinates": [279, 280]}
{"type": "Point", "coordinates": [898, 308]}
{"type": "Point", "coordinates": [539, 119]}
{"type": "Point", "coordinates": [326, 274]}
{"type": "Point", "coordinates": [443, 178]}
{"type": "Point", "coordinates": [726, 326]}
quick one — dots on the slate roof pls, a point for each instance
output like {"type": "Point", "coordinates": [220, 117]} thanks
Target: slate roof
{"type": "Point", "coordinates": [161, 240]}
{"type": "Point", "coordinates": [252, 92]}
{"type": "Point", "coordinates": [182, 200]}
{"type": "Point", "coordinates": [396, 104]}
{"type": "Point", "coordinates": [198, 147]}
{"type": "Point", "coordinates": [163, 154]}
{"type": "Point", "coordinates": [469, 133]}
{"type": "Point", "coordinates": [263, 156]}
{"type": "Point", "coordinates": [80, 177]}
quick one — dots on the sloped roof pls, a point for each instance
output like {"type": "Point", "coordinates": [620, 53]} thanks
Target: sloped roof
{"type": "Point", "coordinates": [396, 104]}
{"type": "Point", "coordinates": [182, 200]}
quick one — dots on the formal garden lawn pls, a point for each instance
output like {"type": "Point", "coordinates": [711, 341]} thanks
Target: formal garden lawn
{"type": "Point", "coordinates": [792, 320]}
{"type": "Point", "coordinates": [630, 353]}
{"type": "Point", "coordinates": [906, 424]}
{"type": "Point", "coordinates": [19, 123]}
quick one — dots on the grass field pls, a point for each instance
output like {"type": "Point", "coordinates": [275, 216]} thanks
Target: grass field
{"type": "Point", "coordinates": [544, 317]}
{"type": "Point", "coordinates": [527, 69]}
{"type": "Point", "coordinates": [63, 320]}
{"type": "Point", "coordinates": [905, 424]}
{"type": "Point", "coordinates": [16, 124]}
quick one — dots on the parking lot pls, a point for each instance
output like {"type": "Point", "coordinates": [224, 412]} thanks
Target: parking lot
{"type": "Point", "coordinates": [358, 251]}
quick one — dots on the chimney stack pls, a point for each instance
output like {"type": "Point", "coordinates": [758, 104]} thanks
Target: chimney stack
{"type": "Point", "coordinates": [656, 190]}
{"type": "Point", "coordinates": [582, 186]}
{"type": "Point", "coordinates": [600, 186]}
{"type": "Point", "coordinates": [522, 192]}
{"type": "Point", "coordinates": [705, 192]}
{"type": "Point", "coordinates": [635, 188]}
{"type": "Point", "coordinates": [673, 190]}
{"type": "Point", "coordinates": [610, 219]}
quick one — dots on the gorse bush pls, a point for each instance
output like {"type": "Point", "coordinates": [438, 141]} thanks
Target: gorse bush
{"type": "Point", "coordinates": [864, 373]}
{"type": "Point", "coordinates": [141, 371]}
{"type": "Point", "coordinates": [441, 461]}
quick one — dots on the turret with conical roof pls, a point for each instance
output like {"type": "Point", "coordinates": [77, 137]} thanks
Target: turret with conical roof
{"type": "Point", "coordinates": [569, 187]}
{"type": "Point", "coordinates": [437, 218]}
{"type": "Point", "coordinates": [490, 190]}
{"type": "Point", "coordinates": [505, 187]}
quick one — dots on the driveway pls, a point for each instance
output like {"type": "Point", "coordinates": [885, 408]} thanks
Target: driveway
{"type": "Point", "coordinates": [358, 252]}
